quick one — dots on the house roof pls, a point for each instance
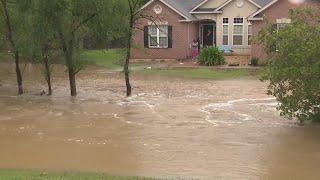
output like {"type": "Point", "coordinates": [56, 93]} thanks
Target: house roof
{"type": "Point", "coordinates": [184, 6]}
{"type": "Point", "coordinates": [258, 3]}
{"type": "Point", "coordinates": [187, 7]}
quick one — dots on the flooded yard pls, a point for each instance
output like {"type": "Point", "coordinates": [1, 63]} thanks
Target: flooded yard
{"type": "Point", "coordinates": [170, 127]}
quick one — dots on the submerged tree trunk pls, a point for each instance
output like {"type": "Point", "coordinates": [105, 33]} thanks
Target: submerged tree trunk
{"type": "Point", "coordinates": [47, 68]}
{"type": "Point", "coordinates": [71, 69]}
{"type": "Point", "coordinates": [72, 81]}
{"type": "Point", "coordinates": [126, 65]}
{"type": "Point", "coordinates": [48, 75]}
{"type": "Point", "coordinates": [126, 73]}
{"type": "Point", "coordinates": [13, 46]}
{"type": "Point", "coordinates": [68, 52]}
{"type": "Point", "coordinates": [18, 73]}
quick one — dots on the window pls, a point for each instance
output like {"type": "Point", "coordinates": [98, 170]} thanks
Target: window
{"type": "Point", "coordinates": [158, 36]}
{"type": "Point", "coordinates": [281, 26]}
{"type": "Point", "coordinates": [225, 20]}
{"type": "Point", "coordinates": [225, 31]}
{"type": "Point", "coordinates": [281, 23]}
{"type": "Point", "coordinates": [238, 31]}
{"type": "Point", "coordinates": [249, 34]}
{"type": "Point", "coordinates": [238, 20]}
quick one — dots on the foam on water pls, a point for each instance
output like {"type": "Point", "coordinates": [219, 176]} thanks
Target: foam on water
{"type": "Point", "coordinates": [234, 116]}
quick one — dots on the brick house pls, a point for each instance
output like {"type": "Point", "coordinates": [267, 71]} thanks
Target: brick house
{"type": "Point", "coordinates": [233, 23]}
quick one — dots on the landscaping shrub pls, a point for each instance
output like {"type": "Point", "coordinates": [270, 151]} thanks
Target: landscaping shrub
{"type": "Point", "coordinates": [254, 61]}
{"type": "Point", "coordinates": [211, 56]}
{"type": "Point", "coordinates": [293, 72]}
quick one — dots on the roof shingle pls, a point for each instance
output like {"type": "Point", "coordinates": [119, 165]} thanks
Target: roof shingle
{"type": "Point", "coordinates": [185, 6]}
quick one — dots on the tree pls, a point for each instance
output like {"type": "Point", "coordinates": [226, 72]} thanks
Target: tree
{"type": "Point", "coordinates": [294, 65]}
{"type": "Point", "coordinates": [12, 20]}
{"type": "Point", "coordinates": [72, 20]}
{"type": "Point", "coordinates": [44, 38]}
{"type": "Point", "coordinates": [134, 14]}
{"type": "Point", "coordinates": [41, 39]}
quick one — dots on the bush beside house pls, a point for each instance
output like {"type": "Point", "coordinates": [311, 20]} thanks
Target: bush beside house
{"type": "Point", "coordinates": [211, 56]}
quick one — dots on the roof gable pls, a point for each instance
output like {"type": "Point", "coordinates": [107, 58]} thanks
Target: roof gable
{"type": "Point", "coordinates": [221, 4]}
{"type": "Point", "coordinates": [186, 8]}
{"type": "Point", "coordinates": [252, 17]}
{"type": "Point", "coordinates": [182, 7]}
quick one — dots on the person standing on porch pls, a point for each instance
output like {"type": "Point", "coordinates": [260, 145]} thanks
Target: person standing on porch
{"type": "Point", "coordinates": [195, 50]}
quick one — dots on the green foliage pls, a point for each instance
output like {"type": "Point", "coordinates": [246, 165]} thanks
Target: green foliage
{"type": "Point", "coordinates": [294, 69]}
{"type": "Point", "coordinates": [211, 56]}
{"type": "Point", "coordinates": [2, 30]}
{"type": "Point", "coordinates": [20, 24]}
{"type": "Point", "coordinates": [254, 61]}
{"type": "Point", "coordinates": [111, 59]}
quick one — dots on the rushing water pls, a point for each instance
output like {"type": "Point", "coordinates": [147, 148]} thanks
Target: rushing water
{"type": "Point", "coordinates": [169, 128]}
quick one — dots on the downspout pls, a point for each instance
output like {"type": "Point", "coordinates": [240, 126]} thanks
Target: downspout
{"type": "Point", "coordinates": [187, 55]}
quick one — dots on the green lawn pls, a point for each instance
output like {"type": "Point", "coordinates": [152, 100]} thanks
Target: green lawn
{"type": "Point", "coordinates": [36, 175]}
{"type": "Point", "coordinates": [4, 57]}
{"type": "Point", "coordinates": [199, 73]}
{"type": "Point", "coordinates": [110, 59]}
{"type": "Point", "coordinates": [113, 58]}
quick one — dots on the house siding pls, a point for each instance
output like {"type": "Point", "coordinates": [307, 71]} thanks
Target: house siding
{"type": "Point", "coordinates": [183, 34]}
{"type": "Point", "coordinates": [278, 10]}
{"type": "Point", "coordinates": [231, 11]}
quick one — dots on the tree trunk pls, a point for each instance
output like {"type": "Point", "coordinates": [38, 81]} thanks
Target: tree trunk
{"type": "Point", "coordinates": [45, 60]}
{"type": "Point", "coordinates": [13, 46]}
{"type": "Point", "coordinates": [18, 73]}
{"type": "Point", "coordinates": [72, 73]}
{"type": "Point", "coordinates": [71, 70]}
{"type": "Point", "coordinates": [72, 80]}
{"type": "Point", "coordinates": [48, 76]}
{"type": "Point", "coordinates": [126, 65]}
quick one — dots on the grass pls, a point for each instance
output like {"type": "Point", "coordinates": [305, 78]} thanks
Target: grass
{"type": "Point", "coordinates": [3, 57]}
{"type": "Point", "coordinates": [37, 175]}
{"type": "Point", "coordinates": [110, 59]}
{"type": "Point", "coordinates": [199, 73]}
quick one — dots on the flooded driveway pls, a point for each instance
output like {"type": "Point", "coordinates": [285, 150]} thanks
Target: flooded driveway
{"type": "Point", "coordinates": [169, 128]}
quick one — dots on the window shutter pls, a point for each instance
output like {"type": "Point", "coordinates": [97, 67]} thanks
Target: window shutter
{"type": "Point", "coordinates": [169, 36]}
{"type": "Point", "coordinates": [146, 38]}
{"type": "Point", "coordinates": [274, 28]}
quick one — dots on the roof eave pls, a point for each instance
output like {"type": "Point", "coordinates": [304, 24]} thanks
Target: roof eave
{"type": "Point", "coordinates": [196, 7]}
{"type": "Point", "coordinates": [207, 12]}
{"type": "Point", "coordinates": [263, 9]}
{"type": "Point", "coordinates": [255, 19]}
{"type": "Point", "coordinates": [171, 7]}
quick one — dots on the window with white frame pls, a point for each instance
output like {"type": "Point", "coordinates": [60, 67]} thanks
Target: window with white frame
{"type": "Point", "coordinates": [281, 23]}
{"type": "Point", "coordinates": [225, 31]}
{"type": "Point", "coordinates": [158, 36]}
{"type": "Point", "coordinates": [249, 34]}
{"type": "Point", "coordinates": [238, 31]}
{"type": "Point", "coordinates": [281, 26]}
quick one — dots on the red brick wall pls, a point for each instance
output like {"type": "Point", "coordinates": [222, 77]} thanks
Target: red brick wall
{"type": "Point", "coordinates": [276, 11]}
{"type": "Point", "coordinates": [182, 35]}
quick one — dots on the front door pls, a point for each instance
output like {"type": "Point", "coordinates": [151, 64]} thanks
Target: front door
{"type": "Point", "coordinates": [208, 35]}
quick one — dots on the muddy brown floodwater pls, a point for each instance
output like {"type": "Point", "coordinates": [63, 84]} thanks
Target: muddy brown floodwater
{"type": "Point", "coordinates": [169, 128]}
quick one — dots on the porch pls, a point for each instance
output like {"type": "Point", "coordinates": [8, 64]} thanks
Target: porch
{"type": "Point", "coordinates": [211, 34]}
